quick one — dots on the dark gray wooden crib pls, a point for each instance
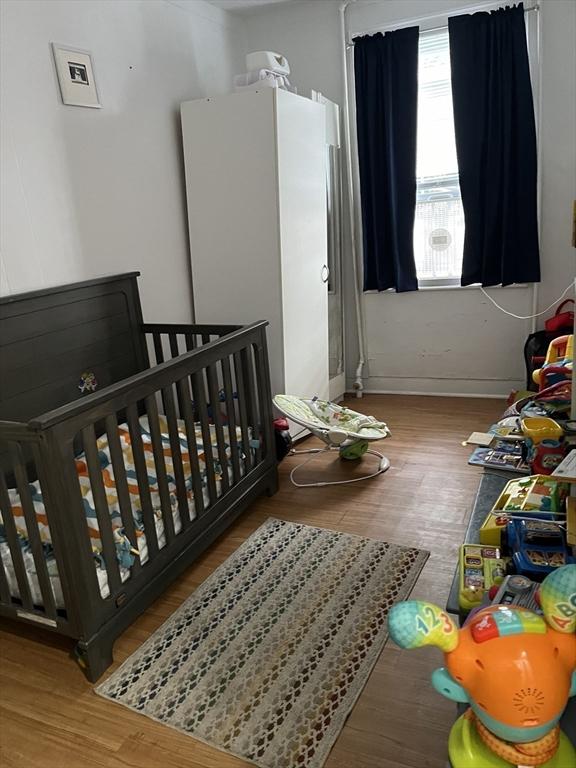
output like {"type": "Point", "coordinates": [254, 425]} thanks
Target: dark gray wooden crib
{"type": "Point", "coordinates": [126, 448]}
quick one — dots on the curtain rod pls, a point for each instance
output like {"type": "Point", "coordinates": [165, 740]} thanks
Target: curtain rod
{"type": "Point", "coordinates": [411, 22]}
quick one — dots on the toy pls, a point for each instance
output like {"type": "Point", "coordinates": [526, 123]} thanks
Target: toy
{"type": "Point", "coordinates": [354, 450]}
{"type": "Point", "coordinates": [538, 496]}
{"type": "Point", "coordinates": [536, 547]}
{"type": "Point", "coordinates": [502, 454]}
{"type": "Point", "coordinates": [516, 670]}
{"type": "Point", "coordinates": [283, 440]}
{"type": "Point", "coordinates": [544, 447]}
{"type": "Point", "coordinates": [538, 493]}
{"type": "Point", "coordinates": [546, 456]}
{"type": "Point", "coordinates": [480, 569]}
{"type": "Point", "coordinates": [519, 591]}
{"type": "Point", "coordinates": [490, 533]}
{"type": "Point", "coordinates": [558, 364]}
{"type": "Point", "coordinates": [538, 428]}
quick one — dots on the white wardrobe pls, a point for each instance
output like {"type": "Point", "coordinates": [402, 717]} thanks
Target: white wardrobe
{"type": "Point", "coordinates": [256, 193]}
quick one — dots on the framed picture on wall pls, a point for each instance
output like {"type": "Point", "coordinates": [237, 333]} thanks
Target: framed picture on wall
{"type": "Point", "coordinates": [76, 76]}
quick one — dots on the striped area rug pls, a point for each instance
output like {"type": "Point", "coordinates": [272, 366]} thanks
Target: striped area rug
{"type": "Point", "coordinates": [266, 659]}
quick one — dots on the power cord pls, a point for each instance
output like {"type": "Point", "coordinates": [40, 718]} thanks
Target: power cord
{"type": "Point", "coordinates": [527, 317]}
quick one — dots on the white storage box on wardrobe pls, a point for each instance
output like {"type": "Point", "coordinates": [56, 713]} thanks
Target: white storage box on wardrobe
{"type": "Point", "coordinates": [256, 193]}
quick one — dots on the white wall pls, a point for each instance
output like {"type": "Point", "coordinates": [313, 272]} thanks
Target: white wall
{"type": "Point", "coordinates": [444, 340]}
{"type": "Point", "coordinates": [88, 192]}
{"type": "Point", "coordinates": [558, 145]}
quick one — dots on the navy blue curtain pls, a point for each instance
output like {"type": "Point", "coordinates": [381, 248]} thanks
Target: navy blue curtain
{"type": "Point", "coordinates": [386, 78]}
{"type": "Point", "coordinates": [496, 146]}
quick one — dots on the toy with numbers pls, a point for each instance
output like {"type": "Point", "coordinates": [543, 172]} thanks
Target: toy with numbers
{"type": "Point", "coordinates": [480, 568]}
{"type": "Point", "coordinates": [514, 668]}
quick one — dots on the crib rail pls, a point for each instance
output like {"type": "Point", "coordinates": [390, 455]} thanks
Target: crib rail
{"type": "Point", "coordinates": [210, 383]}
{"type": "Point", "coordinates": [230, 379]}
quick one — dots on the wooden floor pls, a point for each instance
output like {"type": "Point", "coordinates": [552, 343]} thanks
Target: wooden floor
{"type": "Point", "coordinates": [50, 717]}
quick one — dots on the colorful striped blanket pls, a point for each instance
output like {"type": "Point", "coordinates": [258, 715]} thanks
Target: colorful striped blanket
{"type": "Point", "coordinates": [124, 549]}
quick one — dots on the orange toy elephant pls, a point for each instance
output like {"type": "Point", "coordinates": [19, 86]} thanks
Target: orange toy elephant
{"type": "Point", "coordinates": [515, 668]}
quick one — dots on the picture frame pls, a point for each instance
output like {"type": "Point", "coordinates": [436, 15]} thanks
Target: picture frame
{"type": "Point", "coordinates": [76, 76]}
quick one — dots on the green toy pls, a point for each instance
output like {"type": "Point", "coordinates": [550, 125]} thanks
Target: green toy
{"type": "Point", "coordinates": [354, 450]}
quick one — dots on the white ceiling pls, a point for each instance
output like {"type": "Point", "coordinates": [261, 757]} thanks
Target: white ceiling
{"type": "Point", "coordinates": [242, 6]}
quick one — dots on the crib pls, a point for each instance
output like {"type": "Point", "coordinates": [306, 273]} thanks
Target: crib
{"type": "Point", "coordinates": [126, 449]}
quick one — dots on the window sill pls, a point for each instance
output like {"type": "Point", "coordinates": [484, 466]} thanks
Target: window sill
{"type": "Point", "coordinates": [424, 288]}
{"type": "Point", "coordinates": [470, 287]}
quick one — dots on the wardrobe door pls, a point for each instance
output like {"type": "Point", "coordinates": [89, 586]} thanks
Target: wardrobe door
{"type": "Point", "coordinates": [231, 190]}
{"type": "Point", "coordinates": [301, 147]}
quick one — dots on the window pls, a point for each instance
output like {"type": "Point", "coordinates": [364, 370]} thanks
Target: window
{"type": "Point", "coordinates": [439, 221]}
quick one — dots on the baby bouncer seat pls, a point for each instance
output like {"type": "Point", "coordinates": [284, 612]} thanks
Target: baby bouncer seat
{"type": "Point", "coordinates": [339, 428]}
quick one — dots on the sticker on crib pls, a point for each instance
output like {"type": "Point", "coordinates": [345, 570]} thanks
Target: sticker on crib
{"type": "Point", "coordinates": [87, 382]}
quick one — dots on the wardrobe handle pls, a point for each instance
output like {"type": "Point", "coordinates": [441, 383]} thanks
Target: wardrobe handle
{"type": "Point", "coordinates": [325, 273]}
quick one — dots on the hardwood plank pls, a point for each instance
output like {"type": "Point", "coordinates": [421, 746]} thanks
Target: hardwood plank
{"type": "Point", "coordinates": [398, 722]}
{"type": "Point", "coordinates": [148, 749]}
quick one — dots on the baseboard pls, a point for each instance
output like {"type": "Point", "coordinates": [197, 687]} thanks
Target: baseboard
{"type": "Point", "coordinates": [430, 394]}
{"type": "Point", "coordinates": [337, 387]}
{"type": "Point", "coordinates": [444, 386]}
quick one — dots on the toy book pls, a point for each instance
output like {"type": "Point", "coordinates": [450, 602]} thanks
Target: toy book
{"type": "Point", "coordinates": [480, 438]}
{"type": "Point", "coordinates": [501, 455]}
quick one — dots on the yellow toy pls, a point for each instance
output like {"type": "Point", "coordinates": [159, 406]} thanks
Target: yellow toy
{"type": "Point", "coordinates": [558, 364]}
{"type": "Point", "coordinates": [534, 496]}
{"type": "Point", "coordinates": [545, 447]}
{"type": "Point", "coordinates": [480, 569]}
{"type": "Point", "coordinates": [539, 428]}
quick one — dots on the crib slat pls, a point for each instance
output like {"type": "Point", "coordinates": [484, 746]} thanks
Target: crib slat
{"type": "Point", "coordinates": [158, 450]}
{"type": "Point", "coordinates": [199, 396]}
{"type": "Point", "coordinates": [243, 411]}
{"type": "Point", "coordinates": [148, 517]}
{"type": "Point", "coordinates": [173, 338]}
{"type": "Point", "coordinates": [214, 395]}
{"type": "Point", "coordinates": [190, 341]}
{"type": "Point", "coordinates": [158, 351]}
{"type": "Point", "coordinates": [4, 587]}
{"type": "Point", "coordinates": [33, 532]}
{"type": "Point", "coordinates": [229, 393]}
{"type": "Point", "coordinates": [101, 506]}
{"type": "Point", "coordinates": [176, 450]}
{"type": "Point", "coordinates": [14, 546]}
{"type": "Point", "coordinates": [121, 481]}
{"type": "Point", "coordinates": [175, 352]}
{"type": "Point", "coordinates": [57, 545]}
{"type": "Point", "coordinates": [186, 405]}
{"type": "Point", "coordinates": [248, 371]}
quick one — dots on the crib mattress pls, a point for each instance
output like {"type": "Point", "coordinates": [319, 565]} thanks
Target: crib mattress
{"type": "Point", "coordinates": [125, 553]}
